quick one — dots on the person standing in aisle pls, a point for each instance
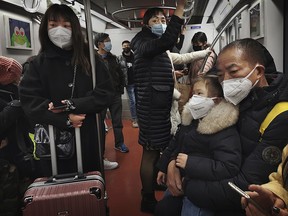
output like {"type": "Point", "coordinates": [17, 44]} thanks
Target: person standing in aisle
{"type": "Point", "coordinates": [61, 75]}
{"type": "Point", "coordinates": [126, 61]}
{"type": "Point", "coordinates": [103, 43]}
{"type": "Point", "coordinates": [154, 85]}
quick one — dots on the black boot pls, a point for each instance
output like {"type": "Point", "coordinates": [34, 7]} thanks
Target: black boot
{"type": "Point", "coordinates": [148, 202]}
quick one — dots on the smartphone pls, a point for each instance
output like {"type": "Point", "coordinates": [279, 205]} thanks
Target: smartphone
{"type": "Point", "coordinates": [246, 196]}
{"type": "Point", "coordinates": [61, 107]}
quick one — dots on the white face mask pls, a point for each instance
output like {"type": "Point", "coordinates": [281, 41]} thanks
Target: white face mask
{"type": "Point", "coordinates": [235, 90]}
{"type": "Point", "coordinates": [200, 106]}
{"type": "Point", "coordinates": [61, 37]}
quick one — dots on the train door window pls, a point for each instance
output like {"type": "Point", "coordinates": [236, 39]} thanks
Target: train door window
{"type": "Point", "coordinates": [223, 40]}
{"type": "Point", "coordinates": [238, 25]}
{"type": "Point", "coordinates": [231, 32]}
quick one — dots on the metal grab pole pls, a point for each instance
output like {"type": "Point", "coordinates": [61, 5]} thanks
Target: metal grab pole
{"type": "Point", "coordinates": [218, 36]}
{"type": "Point", "coordinates": [88, 20]}
{"type": "Point", "coordinates": [87, 9]}
{"type": "Point", "coordinates": [53, 150]}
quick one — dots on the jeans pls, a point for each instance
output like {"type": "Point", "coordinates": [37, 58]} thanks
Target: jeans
{"type": "Point", "coordinates": [132, 103]}
{"type": "Point", "coordinates": [171, 203]}
{"type": "Point", "coordinates": [189, 209]}
{"type": "Point", "coordinates": [115, 109]}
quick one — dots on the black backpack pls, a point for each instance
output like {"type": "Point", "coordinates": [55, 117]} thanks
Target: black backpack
{"type": "Point", "coordinates": [19, 150]}
{"type": "Point", "coordinates": [10, 198]}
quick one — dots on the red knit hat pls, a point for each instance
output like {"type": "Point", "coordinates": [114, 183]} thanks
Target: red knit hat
{"type": "Point", "coordinates": [10, 70]}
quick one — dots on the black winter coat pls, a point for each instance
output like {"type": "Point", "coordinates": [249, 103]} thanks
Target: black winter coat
{"type": "Point", "coordinates": [48, 80]}
{"type": "Point", "coordinates": [115, 71]}
{"type": "Point", "coordinates": [154, 83]}
{"type": "Point", "coordinates": [212, 144]}
{"type": "Point", "coordinates": [260, 156]}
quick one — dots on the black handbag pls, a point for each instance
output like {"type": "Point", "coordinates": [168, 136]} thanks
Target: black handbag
{"type": "Point", "coordinates": [64, 141]}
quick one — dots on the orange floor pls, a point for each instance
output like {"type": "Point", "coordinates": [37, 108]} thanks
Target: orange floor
{"type": "Point", "coordinates": [123, 184]}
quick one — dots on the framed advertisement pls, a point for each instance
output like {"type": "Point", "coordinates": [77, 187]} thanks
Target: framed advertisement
{"type": "Point", "coordinates": [18, 33]}
{"type": "Point", "coordinates": [256, 20]}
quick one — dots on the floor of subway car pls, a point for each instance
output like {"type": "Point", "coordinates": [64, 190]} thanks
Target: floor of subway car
{"type": "Point", "coordinates": [123, 184]}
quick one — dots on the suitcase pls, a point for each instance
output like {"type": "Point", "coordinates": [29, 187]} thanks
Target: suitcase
{"type": "Point", "coordinates": [68, 194]}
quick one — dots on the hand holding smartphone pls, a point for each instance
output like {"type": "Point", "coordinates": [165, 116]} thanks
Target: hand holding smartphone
{"type": "Point", "coordinates": [61, 107]}
{"type": "Point", "coordinates": [248, 198]}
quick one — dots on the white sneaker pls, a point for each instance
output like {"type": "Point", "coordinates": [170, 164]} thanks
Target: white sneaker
{"type": "Point", "coordinates": [109, 165]}
{"type": "Point", "coordinates": [135, 124]}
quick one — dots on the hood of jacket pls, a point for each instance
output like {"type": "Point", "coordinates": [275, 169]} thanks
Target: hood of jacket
{"type": "Point", "coordinates": [221, 116]}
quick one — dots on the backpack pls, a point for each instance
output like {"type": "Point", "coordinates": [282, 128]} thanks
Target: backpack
{"type": "Point", "coordinates": [276, 110]}
{"type": "Point", "coordinates": [10, 198]}
{"type": "Point", "coordinates": [20, 147]}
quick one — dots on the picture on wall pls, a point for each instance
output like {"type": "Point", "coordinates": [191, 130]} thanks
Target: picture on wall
{"type": "Point", "coordinates": [18, 33]}
{"type": "Point", "coordinates": [256, 20]}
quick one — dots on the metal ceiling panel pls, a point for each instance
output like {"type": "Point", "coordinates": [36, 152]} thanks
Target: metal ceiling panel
{"type": "Point", "coordinates": [130, 12]}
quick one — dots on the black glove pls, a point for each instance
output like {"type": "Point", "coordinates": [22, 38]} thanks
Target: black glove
{"type": "Point", "coordinates": [14, 108]}
{"type": "Point", "coordinates": [15, 103]}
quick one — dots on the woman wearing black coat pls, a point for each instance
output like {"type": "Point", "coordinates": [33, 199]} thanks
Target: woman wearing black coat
{"type": "Point", "coordinates": [61, 74]}
{"type": "Point", "coordinates": [153, 91]}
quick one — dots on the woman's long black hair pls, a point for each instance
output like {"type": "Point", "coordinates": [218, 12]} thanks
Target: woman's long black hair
{"type": "Point", "coordinates": [54, 12]}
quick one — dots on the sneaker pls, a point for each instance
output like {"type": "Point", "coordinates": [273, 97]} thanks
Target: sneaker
{"type": "Point", "coordinates": [135, 124]}
{"type": "Point", "coordinates": [122, 148]}
{"type": "Point", "coordinates": [109, 165]}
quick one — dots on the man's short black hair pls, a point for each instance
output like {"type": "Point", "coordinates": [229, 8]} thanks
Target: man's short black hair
{"type": "Point", "coordinates": [125, 41]}
{"type": "Point", "coordinates": [100, 37]}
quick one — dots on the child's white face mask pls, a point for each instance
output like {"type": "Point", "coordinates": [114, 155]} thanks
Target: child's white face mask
{"type": "Point", "coordinates": [235, 90]}
{"type": "Point", "coordinates": [200, 106]}
{"type": "Point", "coordinates": [61, 37]}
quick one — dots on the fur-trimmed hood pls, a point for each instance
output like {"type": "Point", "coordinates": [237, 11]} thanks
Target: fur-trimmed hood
{"type": "Point", "coordinates": [221, 116]}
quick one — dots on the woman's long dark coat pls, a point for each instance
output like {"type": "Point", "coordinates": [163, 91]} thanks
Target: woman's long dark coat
{"type": "Point", "coordinates": [48, 80]}
{"type": "Point", "coordinates": [154, 83]}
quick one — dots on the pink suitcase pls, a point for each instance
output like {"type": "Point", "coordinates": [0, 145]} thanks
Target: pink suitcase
{"type": "Point", "coordinates": [68, 194]}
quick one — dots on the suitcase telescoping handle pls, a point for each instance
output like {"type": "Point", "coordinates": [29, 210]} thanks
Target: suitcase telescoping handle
{"type": "Point", "coordinates": [75, 176]}
{"type": "Point", "coordinates": [54, 154]}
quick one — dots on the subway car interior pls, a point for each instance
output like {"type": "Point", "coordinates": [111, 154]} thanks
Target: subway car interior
{"type": "Point", "coordinates": [223, 21]}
